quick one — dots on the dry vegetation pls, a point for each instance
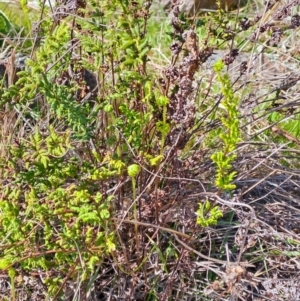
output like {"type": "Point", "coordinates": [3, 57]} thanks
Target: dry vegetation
{"type": "Point", "coordinates": [106, 152]}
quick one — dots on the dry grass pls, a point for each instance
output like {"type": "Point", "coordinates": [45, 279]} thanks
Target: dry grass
{"type": "Point", "coordinates": [253, 253]}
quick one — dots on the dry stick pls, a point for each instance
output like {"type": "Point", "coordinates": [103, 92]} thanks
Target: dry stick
{"type": "Point", "coordinates": [156, 182]}
{"type": "Point", "coordinates": [38, 254]}
{"type": "Point", "coordinates": [269, 126]}
{"type": "Point", "coordinates": [66, 279]}
{"type": "Point", "coordinates": [280, 131]}
{"type": "Point", "coordinates": [22, 242]}
{"type": "Point", "coordinates": [262, 162]}
{"type": "Point", "coordinates": [135, 222]}
{"type": "Point", "coordinates": [38, 28]}
{"type": "Point", "coordinates": [259, 182]}
{"type": "Point", "coordinates": [170, 282]}
{"type": "Point", "coordinates": [210, 260]}
{"type": "Point", "coordinates": [176, 234]}
{"type": "Point", "coordinates": [70, 49]}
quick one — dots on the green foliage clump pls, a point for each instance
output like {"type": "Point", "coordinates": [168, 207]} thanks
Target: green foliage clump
{"type": "Point", "coordinates": [231, 133]}
{"type": "Point", "coordinates": [208, 215]}
{"type": "Point", "coordinates": [55, 210]}
{"type": "Point", "coordinates": [53, 206]}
